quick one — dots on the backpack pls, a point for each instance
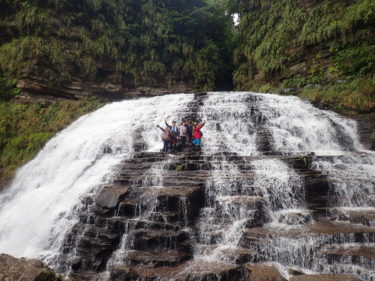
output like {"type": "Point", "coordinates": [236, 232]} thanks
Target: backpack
{"type": "Point", "coordinates": [166, 136]}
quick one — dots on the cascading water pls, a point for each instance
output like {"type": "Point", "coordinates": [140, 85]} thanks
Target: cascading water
{"type": "Point", "coordinates": [36, 210]}
{"type": "Point", "coordinates": [259, 204]}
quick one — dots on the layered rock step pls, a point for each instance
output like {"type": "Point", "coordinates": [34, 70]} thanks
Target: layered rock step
{"type": "Point", "coordinates": [318, 245]}
{"type": "Point", "coordinates": [144, 215]}
{"type": "Point", "coordinates": [168, 216]}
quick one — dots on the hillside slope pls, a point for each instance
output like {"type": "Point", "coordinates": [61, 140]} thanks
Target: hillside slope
{"type": "Point", "coordinates": [322, 50]}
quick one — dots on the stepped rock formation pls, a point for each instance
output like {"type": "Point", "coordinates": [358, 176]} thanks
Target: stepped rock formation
{"type": "Point", "coordinates": [280, 191]}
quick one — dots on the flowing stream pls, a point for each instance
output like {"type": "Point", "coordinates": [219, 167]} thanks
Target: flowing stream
{"type": "Point", "coordinates": [251, 189]}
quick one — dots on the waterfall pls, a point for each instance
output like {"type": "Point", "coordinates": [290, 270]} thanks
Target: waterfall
{"type": "Point", "coordinates": [38, 208]}
{"type": "Point", "coordinates": [281, 182]}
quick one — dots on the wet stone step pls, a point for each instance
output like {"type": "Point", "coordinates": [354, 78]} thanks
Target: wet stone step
{"type": "Point", "coordinates": [146, 239]}
{"type": "Point", "coordinates": [183, 166]}
{"type": "Point", "coordinates": [128, 208]}
{"type": "Point", "coordinates": [364, 216]}
{"type": "Point", "coordinates": [158, 258]}
{"type": "Point", "coordinates": [263, 272]}
{"type": "Point", "coordinates": [362, 255]}
{"type": "Point", "coordinates": [178, 178]}
{"type": "Point", "coordinates": [234, 255]}
{"type": "Point", "coordinates": [167, 217]}
{"type": "Point", "coordinates": [322, 232]}
{"type": "Point", "coordinates": [185, 201]}
{"type": "Point", "coordinates": [121, 224]}
{"type": "Point", "coordinates": [325, 277]}
{"type": "Point", "coordinates": [194, 270]}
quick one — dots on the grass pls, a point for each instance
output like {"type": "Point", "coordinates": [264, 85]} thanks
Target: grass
{"type": "Point", "coordinates": [26, 128]}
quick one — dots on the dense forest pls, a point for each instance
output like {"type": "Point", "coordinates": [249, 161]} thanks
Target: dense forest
{"type": "Point", "coordinates": [323, 50]}
{"type": "Point", "coordinates": [135, 42]}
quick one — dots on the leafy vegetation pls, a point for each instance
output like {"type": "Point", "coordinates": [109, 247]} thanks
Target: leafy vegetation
{"type": "Point", "coordinates": [25, 128]}
{"type": "Point", "coordinates": [357, 96]}
{"type": "Point", "coordinates": [8, 89]}
{"type": "Point", "coordinates": [136, 42]}
{"type": "Point", "coordinates": [273, 36]}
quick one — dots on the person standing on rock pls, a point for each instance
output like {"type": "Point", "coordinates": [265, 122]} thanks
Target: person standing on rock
{"type": "Point", "coordinates": [197, 134]}
{"type": "Point", "coordinates": [166, 137]}
{"type": "Point", "coordinates": [189, 126]}
{"type": "Point", "coordinates": [183, 133]}
{"type": "Point", "coordinates": [175, 131]}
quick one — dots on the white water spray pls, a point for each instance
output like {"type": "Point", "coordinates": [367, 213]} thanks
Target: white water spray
{"type": "Point", "coordinates": [36, 210]}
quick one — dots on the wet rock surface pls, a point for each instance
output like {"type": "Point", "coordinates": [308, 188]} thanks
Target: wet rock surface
{"type": "Point", "coordinates": [224, 216]}
{"type": "Point", "coordinates": [12, 269]}
{"type": "Point", "coordinates": [260, 272]}
{"type": "Point", "coordinates": [153, 213]}
{"type": "Point", "coordinates": [158, 211]}
{"type": "Point", "coordinates": [324, 277]}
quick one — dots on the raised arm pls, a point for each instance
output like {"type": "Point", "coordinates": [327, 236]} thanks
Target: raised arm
{"type": "Point", "coordinates": [201, 125]}
{"type": "Point", "coordinates": [160, 128]}
{"type": "Point", "coordinates": [167, 124]}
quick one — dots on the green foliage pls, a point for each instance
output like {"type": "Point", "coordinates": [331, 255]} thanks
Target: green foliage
{"type": "Point", "coordinates": [180, 168]}
{"type": "Point", "coordinates": [136, 41]}
{"type": "Point", "coordinates": [354, 61]}
{"type": "Point", "coordinates": [274, 34]}
{"type": "Point", "coordinates": [8, 89]}
{"type": "Point", "coordinates": [25, 128]}
{"type": "Point", "coordinates": [357, 95]}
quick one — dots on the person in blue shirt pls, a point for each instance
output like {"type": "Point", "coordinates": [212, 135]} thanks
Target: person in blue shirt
{"type": "Point", "coordinates": [175, 132]}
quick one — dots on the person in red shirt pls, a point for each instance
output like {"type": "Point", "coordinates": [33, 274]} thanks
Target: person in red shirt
{"type": "Point", "coordinates": [197, 134]}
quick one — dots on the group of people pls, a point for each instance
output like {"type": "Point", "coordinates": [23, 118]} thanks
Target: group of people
{"type": "Point", "coordinates": [175, 137]}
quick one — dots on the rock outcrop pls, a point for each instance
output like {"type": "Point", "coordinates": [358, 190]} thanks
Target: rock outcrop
{"type": "Point", "coordinates": [12, 269]}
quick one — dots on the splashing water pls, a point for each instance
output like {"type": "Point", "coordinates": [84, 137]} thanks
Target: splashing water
{"type": "Point", "coordinates": [35, 210]}
{"type": "Point", "coordinates": [250, 189]}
